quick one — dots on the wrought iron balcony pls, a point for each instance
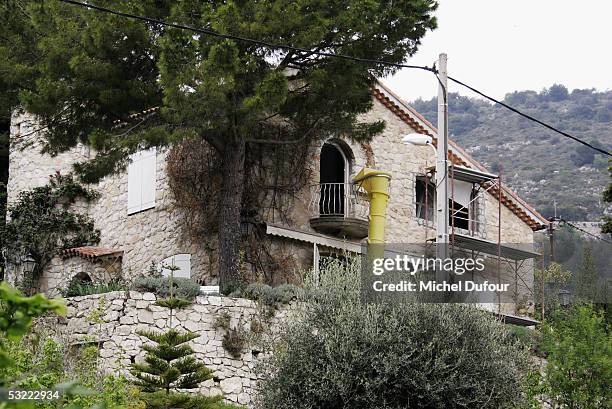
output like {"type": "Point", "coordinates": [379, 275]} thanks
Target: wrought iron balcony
{"type": "Point", "coordinates": [339, 209]}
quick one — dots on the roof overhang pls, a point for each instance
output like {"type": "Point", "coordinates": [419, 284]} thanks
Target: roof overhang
{"type": "Point", "coordinates": [314, 238]}
{"type": "Point", "coordinates": [515, 252]}
{"type": "Point", "coordinates": [91, 253]}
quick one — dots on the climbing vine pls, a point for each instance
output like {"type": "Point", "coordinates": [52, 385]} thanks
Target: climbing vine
{"type": "Point", "coordinates": [43, 221]}
{"type": "Point", "coordinates": [275, 174]}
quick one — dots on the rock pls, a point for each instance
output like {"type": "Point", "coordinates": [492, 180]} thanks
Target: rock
{"type": "Point", "coordinates": [231, 385]}
{"type": "Point", "coordinates": [126, 320]}
{"type": "Point", "coordinates": [243, 398]}
{"type": "Point", "coordinates": [142, 304]}
{"type": "Point", "coordinates": [145, 316]}
{"type": "Point", "coordinates": [148, 296]}
{"type": "Point", "coordinates": [135, 295]}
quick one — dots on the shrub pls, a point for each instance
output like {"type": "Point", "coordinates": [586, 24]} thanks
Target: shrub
{"type": "Point", "coordinates": [578, 346]}
{"type": "Point", "coordinates": [78, 288]}
{"type": "Point", "coordinates": [270, 296]}
{"type": "Point", "coordinates": [182, 287]}
{"type": "Point", "coordinates": [346, 354]}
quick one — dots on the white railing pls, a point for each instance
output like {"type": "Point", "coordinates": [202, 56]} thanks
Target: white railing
{"type": "Point", "coordinates": [339, 200]}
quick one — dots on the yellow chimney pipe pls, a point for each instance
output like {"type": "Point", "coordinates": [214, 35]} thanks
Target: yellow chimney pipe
{"type": "Point", "coordinates": [376, 184]}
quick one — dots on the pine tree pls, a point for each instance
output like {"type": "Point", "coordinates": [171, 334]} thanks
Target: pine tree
{"type": "Point", "coordinates": [170, 364]}
{"type": "Point", "coordinates": [587, 280]}
{"type": "Point", "coordinates": [80, 71]}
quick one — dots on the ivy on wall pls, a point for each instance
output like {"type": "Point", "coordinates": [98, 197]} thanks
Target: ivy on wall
{"type": "Point", "coordinates": [43, 221]}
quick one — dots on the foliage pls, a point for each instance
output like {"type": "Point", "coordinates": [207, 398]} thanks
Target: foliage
{"type": "Point", "coordinates": [538, 164]}
{"type": "Point", "coordinates": [344, 353]}
{"type": "Point", "coordinates": [173, 303]}
{"type": "Point", "coordinates": [78, 288]}
{"type": "Point", "coordinates": [587, 280]}
{"type": "Point", "coordinates": [579, 351]}
{"type": "Point", "coordinates": [169, 364]}
{"type": "Point", "coordinates": [270, 296]}
{"type": "Point", "coordinates": [42, 362]}
{"type": "Point", "coordinates": [16, 314]}
{"type": "Point", "coordinates": [234, 341]}
{"type": "Point", "coordinates": [527, 337]}
{"type": "Point", "coordinates": [161, 400]}
{"type": "Point", "coordinates": [42, 223]}
{"type": "Point", "coordinates": [228, 93]}
{"type": "Point", "coordinates": [181, 287]}
{"type": "Point", "coordinates": [547, 284]}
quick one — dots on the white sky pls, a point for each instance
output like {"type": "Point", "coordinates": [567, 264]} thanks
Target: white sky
{"type": "Point", "coordinates": [499, 46]}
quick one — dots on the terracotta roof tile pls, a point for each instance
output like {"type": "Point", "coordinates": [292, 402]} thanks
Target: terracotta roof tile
{"type": "Point", "coordinates": [90, 252]}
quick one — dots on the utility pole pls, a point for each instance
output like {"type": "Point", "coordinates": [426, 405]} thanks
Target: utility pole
{"type": "Point", "coordinates": [551, 239]}
{"type": "Point", "coordinates": [442, 166]}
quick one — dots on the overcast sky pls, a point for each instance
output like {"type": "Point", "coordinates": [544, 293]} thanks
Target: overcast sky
{"type": "Point", "coordinates": [499, 46]}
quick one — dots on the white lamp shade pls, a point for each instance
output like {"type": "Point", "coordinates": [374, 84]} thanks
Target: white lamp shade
{"type": "Point", "coordinates": [417, 139]}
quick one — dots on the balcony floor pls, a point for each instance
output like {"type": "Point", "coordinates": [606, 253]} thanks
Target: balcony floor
{"type": "Point", "coordinates": [340, 226]}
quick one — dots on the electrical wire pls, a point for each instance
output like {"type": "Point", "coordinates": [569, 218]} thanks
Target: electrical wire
{"type": "Point", "coordinates": [516, 111]}
{"type": "Point", "coordinates": [333, 55]}
{"type": "Point", "coordinates": [584, 231]}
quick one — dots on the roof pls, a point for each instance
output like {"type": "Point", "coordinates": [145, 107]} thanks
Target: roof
{"type": "Point", "coordinates": [91, 253]}
{"type": "Point", "coordinates": [456, 154]}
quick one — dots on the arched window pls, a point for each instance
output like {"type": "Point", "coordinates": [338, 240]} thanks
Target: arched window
{"type": "Point", "coordinates": [334, 179]}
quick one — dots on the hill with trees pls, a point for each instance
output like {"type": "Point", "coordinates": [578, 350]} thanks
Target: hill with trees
{"type": "Point", "coordinates": [539, 164]}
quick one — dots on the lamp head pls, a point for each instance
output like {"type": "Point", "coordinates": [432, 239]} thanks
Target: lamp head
{"type": "Point", "coordinates": [417, 139]}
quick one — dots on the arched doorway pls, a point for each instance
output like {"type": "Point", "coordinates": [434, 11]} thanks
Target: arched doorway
{"type": "Point", "coordinates": [333, 179]}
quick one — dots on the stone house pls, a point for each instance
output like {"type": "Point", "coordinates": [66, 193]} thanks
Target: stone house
{"type": "Point", "coordinates": [140, 224]}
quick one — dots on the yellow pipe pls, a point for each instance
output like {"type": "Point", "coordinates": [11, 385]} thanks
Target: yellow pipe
{"type": "Point", "coordinates": [376, 184]}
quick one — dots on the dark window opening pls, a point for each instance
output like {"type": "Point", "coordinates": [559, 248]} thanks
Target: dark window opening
{"type": "Point", "coordinates": [458, 215]}
{"type": "Point", "coordinates": [425, 198]}
{"type": "Point", "coordinates": [331, 202]}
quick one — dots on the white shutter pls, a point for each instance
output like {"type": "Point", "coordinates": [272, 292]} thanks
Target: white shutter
{"type": "Point", "coordinates": [182, 261]}
{"type": "Point", "coordinates": [141, 181]}
{"type": "Point", "coordinates": [148, 179]}
{"type": "Point", "coordinates": [134, 183]}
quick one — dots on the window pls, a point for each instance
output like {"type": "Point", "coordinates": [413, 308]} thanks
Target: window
{"type": "Point", "coordinates": [141, 181]}
{"type": "Point", "coordinates": [460, 211]}
{"type": "Point", "coordinates": [181, 261]}
{"type": "Point", "coordinates": [459, 215]}
{"type": "Point", "coordinates": [425, 202]}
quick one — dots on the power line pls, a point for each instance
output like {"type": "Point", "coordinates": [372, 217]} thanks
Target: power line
{"type": "Point", "coordinates": [584, 231]}
{"type": "Point", "coordinates": [328, 54]}
{"type": "Point", "coordinates": [544, 124]}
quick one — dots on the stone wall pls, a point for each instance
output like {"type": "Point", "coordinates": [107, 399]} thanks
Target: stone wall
{"type": "Point", "coordinates": [112, 320]}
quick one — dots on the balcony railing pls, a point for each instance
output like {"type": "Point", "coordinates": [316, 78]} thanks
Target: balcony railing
{"type": "Point", "coordinates": [338, 200]}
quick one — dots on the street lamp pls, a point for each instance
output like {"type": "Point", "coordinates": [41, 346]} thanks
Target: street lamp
{"type": "Point", "coordinates": [418, 139]}
{"type": "Point", "coordinates": [442, 217]}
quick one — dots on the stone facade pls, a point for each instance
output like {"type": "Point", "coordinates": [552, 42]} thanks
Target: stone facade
{"type": "Point", "coordinates": [152, 235]}
{"type": "Point", "coordinates": [112, 321]}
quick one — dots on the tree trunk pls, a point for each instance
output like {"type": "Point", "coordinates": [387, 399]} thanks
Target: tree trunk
{"type": "Point", "coordinates": [230, 205]}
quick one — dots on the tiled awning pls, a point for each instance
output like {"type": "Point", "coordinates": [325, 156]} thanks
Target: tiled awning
{"type": "Point", "coordinates": [91, 252]}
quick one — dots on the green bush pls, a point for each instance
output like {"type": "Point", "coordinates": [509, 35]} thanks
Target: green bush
{"type": "Point", "coordinates": [578, 347]}
{"type": "Point", "coordinates": [282, 294]}
{"type": "Point", "coordinates": [343, 353]}
{"type": "Point", "coordinates": [182, 287]}
{"type": "Point", "coordinates": [78, 288]}
{"type": "Point", "coordinates": [42, 362]}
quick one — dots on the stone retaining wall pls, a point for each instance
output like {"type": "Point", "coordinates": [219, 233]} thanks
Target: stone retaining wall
{"type": "Point", "coordinates": [113, 319]}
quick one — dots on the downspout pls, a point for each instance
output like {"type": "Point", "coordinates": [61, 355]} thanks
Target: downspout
{"type": "Point", "coordinates": [376, 184]}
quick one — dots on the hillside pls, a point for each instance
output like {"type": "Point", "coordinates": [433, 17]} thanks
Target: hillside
{"type": "Point", "coordinates": [540, 165]}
